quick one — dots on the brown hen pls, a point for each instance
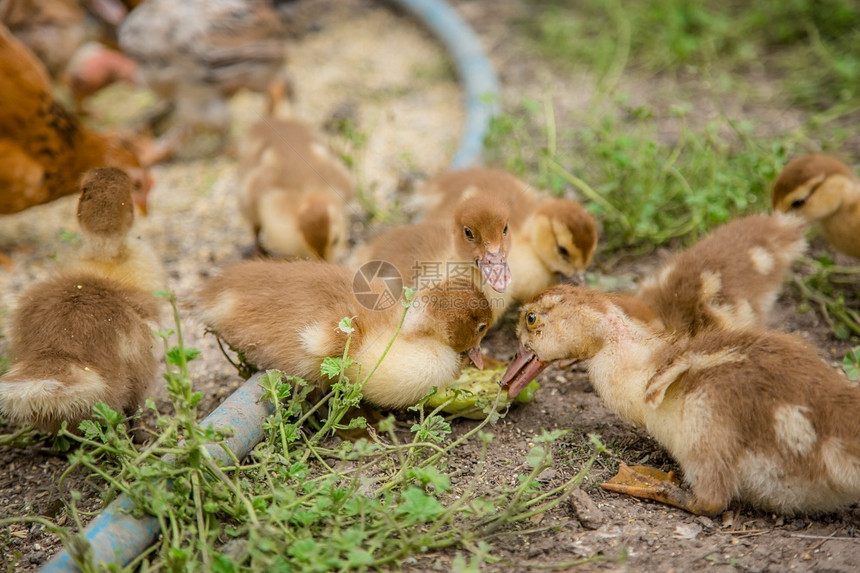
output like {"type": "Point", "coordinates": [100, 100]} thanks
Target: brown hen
{"type": "Point", "coordinates": [44, 149]}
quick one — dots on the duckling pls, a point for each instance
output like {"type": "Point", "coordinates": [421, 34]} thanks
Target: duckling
{"type": "Point", "coordinates": [439, 195]}
{"type": "Point", "coordinates": [557, 242]}
{"type": "Point", "coordinates": [749, 415]}
{"type": "Point", "coordinates": [730, 279]}
{"type": "Point", "coordinates": [284, 315]}
{"type": "Point", "coordinates": [472, 243]}
{"type": "Point", "coordinates": [822, 190]}
{"type": "Point", "coordinates": [85, 335]}
{"type": "Point", "coordinates": [636, 309]}
{"type": "Point", "coordinates": [294, 191]}
{"type": "Point", "coordinates": [551, 239]}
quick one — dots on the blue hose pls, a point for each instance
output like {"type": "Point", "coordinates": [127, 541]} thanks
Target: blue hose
{"type": "Point", "coordinates": [116, 536]}
{"type": "Point", "coordinates": [479, 81]}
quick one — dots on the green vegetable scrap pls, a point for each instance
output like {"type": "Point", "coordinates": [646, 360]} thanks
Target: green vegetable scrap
{"type": "Point", "coordinates": [475, 392]}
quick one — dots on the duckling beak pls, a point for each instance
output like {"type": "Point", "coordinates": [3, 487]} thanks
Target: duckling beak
{"type": "Point", "coordinates": [477, 357]}
{"type": "Point", "coordinates": [139, 196]}
{"type": "Point", "coordinates": [523, 369]}
{"type": "Point", "coordinates": [577, 278]}
{"type": "Point", "coordinates": [495, 270]}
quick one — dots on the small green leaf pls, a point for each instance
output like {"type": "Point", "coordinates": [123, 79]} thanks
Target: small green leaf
{"type": "Point", "coordinates": [432, 476]}
{"type": "Point", "coordinates": [549, 437]}
{"type": "Point", "coordinates": [69, 237]}
{"type": "Point", "coordinates": [536, 456]}
{"type": "Point", "coordinates": [597, 443]}
{"type": "Point", "coordinates": [176, 354]}
{"type": "Point", "coordinates": [851, 364]}
{"type": "Point", "coordinates": [419, 506]}
{"type": "Point", "coordinates": [408, 295]}
{"type": "Point", "coordinates": [331, 366]}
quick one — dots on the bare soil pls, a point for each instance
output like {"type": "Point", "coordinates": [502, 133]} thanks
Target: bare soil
{"type": "Point", "coordinates": [362, 60]}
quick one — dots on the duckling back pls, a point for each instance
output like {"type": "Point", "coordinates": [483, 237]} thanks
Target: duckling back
{"type": "Point", "coordinates": [284, 315]}
{"type": "Point", "coordinates": [730, 279]}
{"type": "Point", "coordinates": [758, 417]}
{"type": "Point", "coordinates": [77, 340]}
{"type": "Point", "coordinates": [294, 191]}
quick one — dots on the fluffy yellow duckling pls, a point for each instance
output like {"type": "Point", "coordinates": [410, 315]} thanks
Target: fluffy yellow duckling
{"type": "Point", "coordinates": [551, 239]}
{"type": "Point", "coordinates": [471, 243]}
{"type": "Point", "coordinates": [730, 279]}
{"type": "Point", "coordinates": [824, 191]}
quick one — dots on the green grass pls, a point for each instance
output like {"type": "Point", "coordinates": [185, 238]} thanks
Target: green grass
{"type": "Point", "coordinates": [851, 364]}
{"type": "Point", "coordinates": [812, 44]}
{"type": "Point", "coordinates": [305, 500]}
{"type": "Point", "coordinates": [644, 192]}
{"type": "Point", "coordinates": [302, 500]}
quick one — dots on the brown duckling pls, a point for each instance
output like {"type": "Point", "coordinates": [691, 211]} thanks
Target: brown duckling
{"type": "Point", "coordinates": [471, 243]}
{"type": "Point", "coordinates": [294, 191]}
{"type": "Point", "coordinates": [85, 336]}
{"type": "Point", "coordinates": [551, 239]}
{"type": "Point", "coordinates": [284, 315]}
{"type": "Point", "coordinates": [751, 416]}
{"type": "Point", "coordinates": [439, 195]}
{"type": "Point", "coordinates": [729, 279]}
{"type": "Point", "coordinates": [822, 190]}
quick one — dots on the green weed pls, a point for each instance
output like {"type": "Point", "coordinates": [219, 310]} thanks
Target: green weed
{"type": "Point", "coordinates": [832, 291]}
{"type": "Point", "coordinates": [851, 364]}
{"type": "Point", "coordinates": [644, 192]}
{"type": "Point", "coordinates": [811, 44]}
{"type": "Point", "coordinates": [304, 500]}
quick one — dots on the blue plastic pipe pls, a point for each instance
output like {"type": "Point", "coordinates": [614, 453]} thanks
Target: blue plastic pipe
{"type": "Point", "coordinates": [476, 73]}
{"type": "Point", "coordinates": [116, 536]}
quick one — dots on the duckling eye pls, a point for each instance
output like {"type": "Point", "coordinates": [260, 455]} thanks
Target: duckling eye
{"type": "Point", "coordinates": [563, 252]}
{"type": "Point", "coordinates": [531, 319]}
{"type": "Point", "coordinates": [469, 234]}
{"type": "Point", "coordinates": [505, 230]}
{"type": "Point", "coordinates": [798, 203]}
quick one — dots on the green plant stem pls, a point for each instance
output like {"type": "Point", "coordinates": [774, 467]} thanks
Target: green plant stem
{"type": "Point", "coordinates": [249, 507]}
{"type": "Point", "coordinates": [589, 192]}
{"type": "Point", "coordinates": [201, 521]}
{"type": "Point", "coordinates": [388, 346]}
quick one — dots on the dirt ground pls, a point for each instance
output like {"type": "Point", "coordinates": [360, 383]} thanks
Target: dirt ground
{"type": "Point", "coordinates": [362, 60]}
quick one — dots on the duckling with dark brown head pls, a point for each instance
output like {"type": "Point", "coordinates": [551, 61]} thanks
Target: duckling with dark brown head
{"type": "Point", "coordinates": [824, 191]}
{"type": "Point", "coordinates": [471, 242]}
{"type": "Point", "coordinates": [749, 415]}
{"type": "Point", "coordinates": [85, 336]}
{"type": "Point", "coordinates": [284, 315]}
